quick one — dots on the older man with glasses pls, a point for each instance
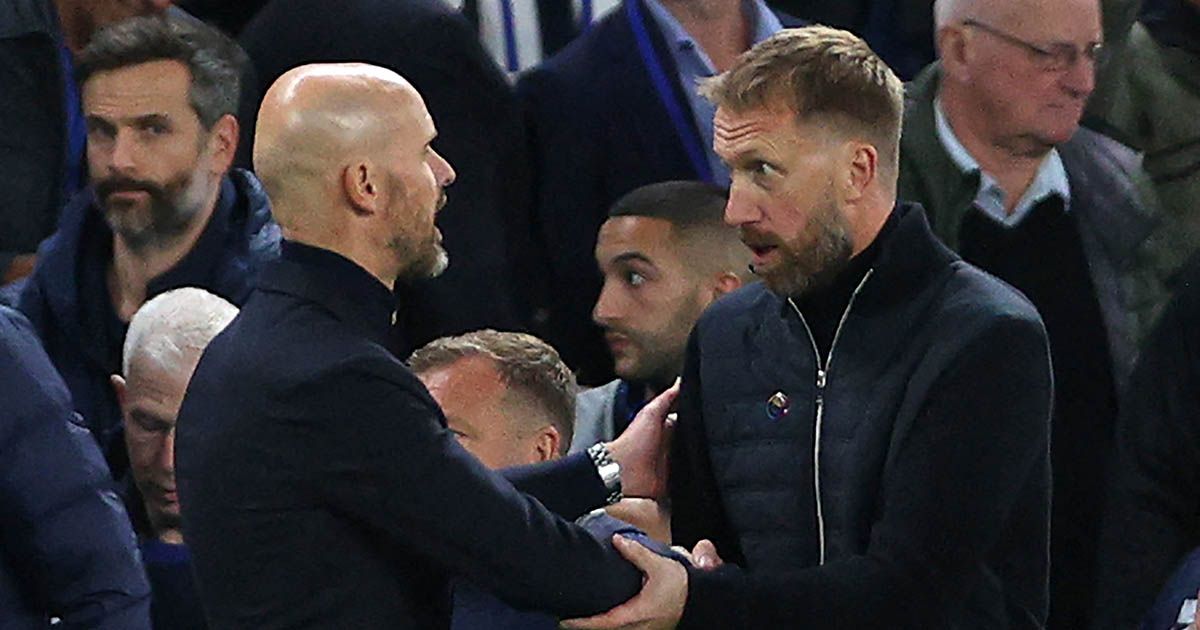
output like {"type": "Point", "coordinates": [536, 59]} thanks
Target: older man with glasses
{"type": "Point", "coordinates": [993, 150]}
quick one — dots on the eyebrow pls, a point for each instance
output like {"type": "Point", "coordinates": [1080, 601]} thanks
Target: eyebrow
{"type": "Point", "coordinates": [152, 118]}
{"type": "Point", "coordinates": [101, 121]}
{"type": "Point", "coordinates": [627, 257]}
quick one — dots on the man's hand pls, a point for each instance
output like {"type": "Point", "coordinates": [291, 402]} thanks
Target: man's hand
{"type": "Point", "coordinates": [659, 605]}
{"type": "Point", "coordinates": [642, 449]}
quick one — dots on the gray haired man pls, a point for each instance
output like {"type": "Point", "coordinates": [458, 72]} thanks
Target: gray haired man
{"type": "Point", "coordinates": [165, 340]}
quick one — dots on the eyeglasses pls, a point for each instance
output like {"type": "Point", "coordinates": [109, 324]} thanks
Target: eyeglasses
{"type": "Point", "coordinates": [1053, 57]}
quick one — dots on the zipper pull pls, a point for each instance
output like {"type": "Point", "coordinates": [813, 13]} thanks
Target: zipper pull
{"type": "Point", "coordinates": [820, 378]}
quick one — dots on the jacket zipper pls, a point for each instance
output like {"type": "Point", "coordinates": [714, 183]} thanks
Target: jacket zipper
{"type": "Point", "coordinates": [822, 376]}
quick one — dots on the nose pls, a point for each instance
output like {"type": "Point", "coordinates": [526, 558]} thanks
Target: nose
{"type": "Point", "coordinates": [167, 456]}
{"type": "Point", "coordinates": [123, 153]}
{"type": "Point", "coordinates": [605, 310]}
{"type": "Point", "coordinates": [1080, 78]}
{"type": "Point", "coordinates": [442, 170]}
{"type": "Point", "coordinates": [741, 208]}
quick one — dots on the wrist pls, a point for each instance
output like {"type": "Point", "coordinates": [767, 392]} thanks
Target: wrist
{"type": "Point", "coordinates": [609, 470]}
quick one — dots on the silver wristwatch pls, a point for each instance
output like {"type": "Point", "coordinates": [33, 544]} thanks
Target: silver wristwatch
{"type": "Point", "coordinates": [608, 469]}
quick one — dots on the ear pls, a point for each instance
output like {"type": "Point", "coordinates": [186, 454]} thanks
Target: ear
{"type": "Point", "coordinates": [862, 161]}
{"type": "Point", "coordinates": [118, 385]}
{"type": "Point", "coordinates": [725, 282]}
{"type": "Point", "coordinates": [223, 143]}
{"type": "Point", "coordinates": [546, 443]}
{"type": "Point", "coordinates": [952, 51]}
{"type": "Point", "coordinates": [360, 182]}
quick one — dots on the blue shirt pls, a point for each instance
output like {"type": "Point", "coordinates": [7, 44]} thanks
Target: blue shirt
{"type": "Point", "coordinates": [693, 64]}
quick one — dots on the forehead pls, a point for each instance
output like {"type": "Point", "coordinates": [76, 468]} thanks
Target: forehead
{"type": "Point", "coordinates": [466, 383]}
{"type": "Point", "coordinates": [1048, 20]}
{"type": "Point", "coordinates": [151, 382]}
{"type": "Point", "coordinates": [764, 128]}
{"type": "Point", "coordinates": [405, 114]}
{"type": "Point", "coordinates": [151, 87]}
{"type": "Point", "coordinates": [652, 237]}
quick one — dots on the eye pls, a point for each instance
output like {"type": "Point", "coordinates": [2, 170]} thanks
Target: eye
{"type": "Point", "coordinates": [634, 279]}
{"type": "Point", "coordinates": [763, 169]}
{"type": "Point", "coordinates": [98, 132]}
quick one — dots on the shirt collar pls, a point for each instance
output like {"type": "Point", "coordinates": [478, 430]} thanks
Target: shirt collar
{"type": "Point", "coordinates": [1051, 178]}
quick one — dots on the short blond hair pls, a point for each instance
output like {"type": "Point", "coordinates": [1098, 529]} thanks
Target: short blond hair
{"type": "Point", "coordinates": [820, 73]}
{"type": "Point", "coordinates": [527, 366]}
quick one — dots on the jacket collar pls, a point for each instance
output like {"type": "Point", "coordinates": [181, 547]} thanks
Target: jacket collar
{"type": "Point", "coordinates": [335, 282]}
{"type": "Point", "coordinates": [907, 257]}
{"type": "Point", "coordinates": [910, 256]}
{"type": "Point", "coordinates": [239, 228]}
{"type": "Point", "coordinates": [945, 191]}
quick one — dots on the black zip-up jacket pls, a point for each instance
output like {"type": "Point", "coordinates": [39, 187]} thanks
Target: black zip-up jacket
{"type": "Point", "coordinates": [904, 483]}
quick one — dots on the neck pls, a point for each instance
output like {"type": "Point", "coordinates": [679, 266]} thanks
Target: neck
{"type": "Point", "coordinates": [375, 262]}
{"type": "Point", "coordinates": [1013, 165]}
{"type": "Point", "coordinates": [720, 27]}
{"type": "Point", "coordinates": [866, 229]}
{"type": "Point", "coordinates": [77, 24]}
{"type": "Point", "coordinates": [132, 269]}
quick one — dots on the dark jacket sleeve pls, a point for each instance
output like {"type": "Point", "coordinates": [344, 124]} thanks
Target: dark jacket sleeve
{"type": "Point", "coordinates": [569, 487]}
{"type": "Point", "coordinates": [977, 441]}
{"type": "Point", "coordinates": [65, 531]}
{"type": "Point", "coordinates": [696, 509]}
{"type": "Point", "coordinates": [470, 521]}
{"type": "Point", "coordinates": [1152, 516]}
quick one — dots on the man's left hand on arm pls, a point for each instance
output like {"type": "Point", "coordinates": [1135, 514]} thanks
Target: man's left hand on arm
{"type": "Point", "coordinates": [659, 605]}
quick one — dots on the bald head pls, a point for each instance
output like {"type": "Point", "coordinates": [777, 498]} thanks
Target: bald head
{"type": "Point", "coordinates": [344, 151]}
{"type": "Point", "coordinates": [318, 118]}
{"type": "Point", "coordinates": [1010, 12]}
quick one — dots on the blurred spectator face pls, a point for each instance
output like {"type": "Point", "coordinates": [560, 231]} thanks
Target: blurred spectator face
{"type": "Point", "coordinates": [650, 300]}
{"type": "Point", "coordinates": [1031, 66]}
{"type": "Point", "coordinates": [418, 176]}
{"type": "Point", "coordinates": [486, 421]}
{"type": "Point", "coordinates": [782, 197]}
{"type": "Point", "coordinates": [150, 401]}
{"type": "Point", "coordinates": [153, 165]}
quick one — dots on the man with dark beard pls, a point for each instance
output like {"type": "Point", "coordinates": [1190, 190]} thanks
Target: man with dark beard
{"type": "Point", "coordinates": [164, 210]}
{"type": "Point", "coordinates": [665, 254]}
{"type": "Point", "coordinates": [864, 434]}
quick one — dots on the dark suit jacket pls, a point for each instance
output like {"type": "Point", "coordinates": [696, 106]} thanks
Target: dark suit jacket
{"type": "Point", "coordinates": [597, 130]}
{"type": "Point", "coordinates": [478, 133]}
{"type": "Point", "coordinates": [322, 489]}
